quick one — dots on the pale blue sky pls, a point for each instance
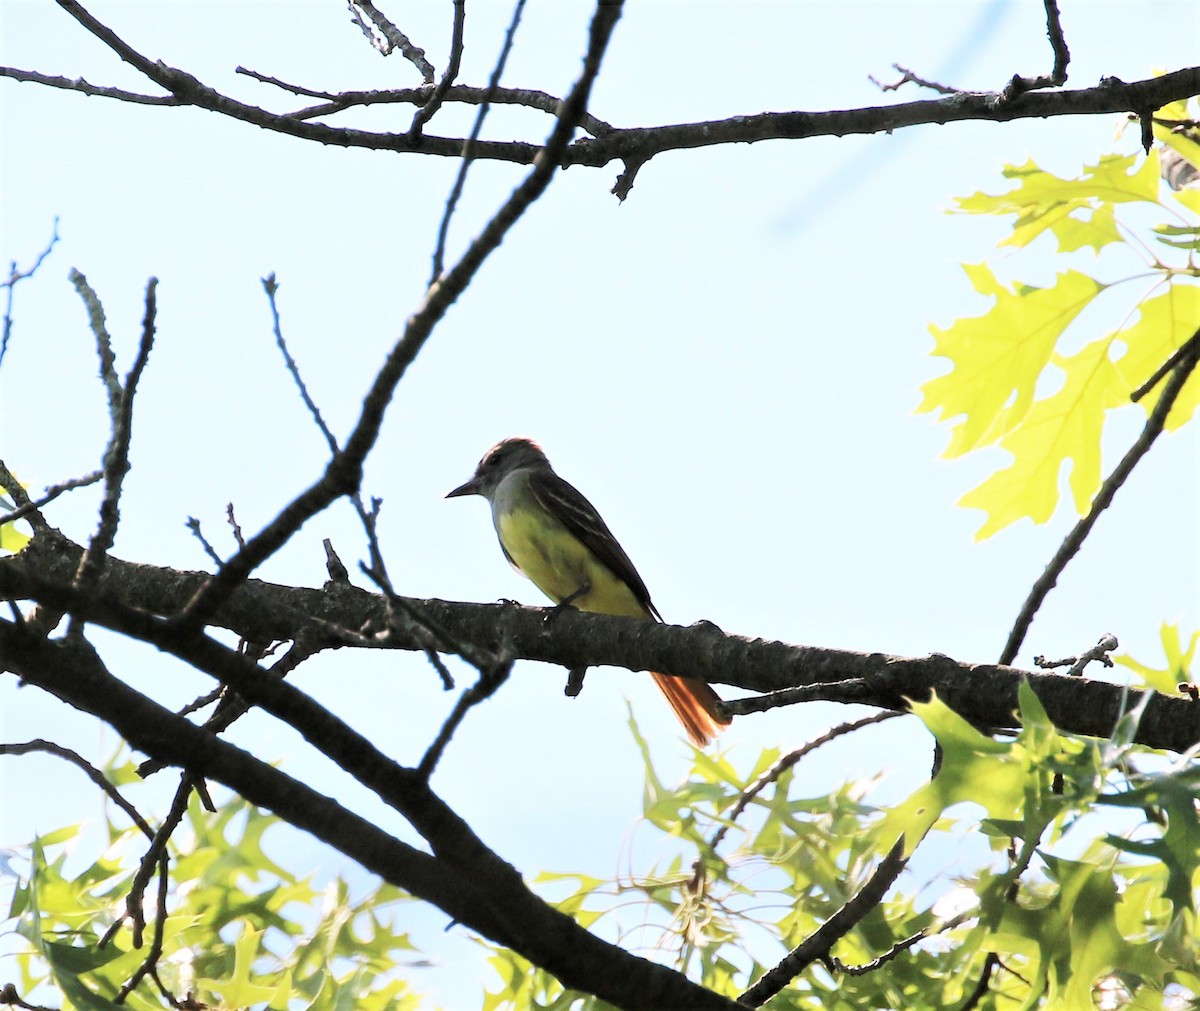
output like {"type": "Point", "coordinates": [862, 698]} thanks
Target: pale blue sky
{"type": "Point", "coordinates": [727, 365]}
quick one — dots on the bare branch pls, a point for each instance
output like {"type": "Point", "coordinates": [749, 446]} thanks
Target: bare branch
{"type": "Point", "coordinates": [155, 859]}
{"type": "Point", "coordinates": [468, 151]}
{"type": "Point", "coordinates": [634, 147]}
{"type": "Point", "coordinates": [52, 492]}
{"type": "Point", "coordinates": [818, 944]}
{"type": "Point", "coordinates": [129, 596]}
{"type": "Point", "coordinates": [786, 762]}
{"type": "Point", "coordinates": [1187, 350]}
{"type": "Point", "coordinates": [82, 86]}
{"type": "Point", "coordinates": [849, 691]}
{"type": "Point", "coordinates": [94, 774]}
{"type": "Point", "coordinates": [15, 275]}
{"type": "Point", "coordinates": [470, 882]}
{"type": "Point", "coordinates": [270, 286]}
{"type": "Point", "coordinates": [426, 112]}
{"type": "Point", "coordinates": [104, 351]}
{"type": "Point", "coordinates": [1182, 370]}
{"type": "Point", "coordinates": [899, 947]}
{"type": "Point", "coordinates": [150, 962]}
{"type": "Point", "coordinates": [908, 77]}
{"type": "Point", "coordinates": [193, 525]}
{"type": "Point", "coordinates": [230, 705]}
{"type": "Point", "coordinates": [1078, 664]}
{"type": "Point", "coordinates": [116, 457]}
{"type": "Point", "coordinates": [299, 89]}
{"type": "Point", "coordinates": [393, 38]}
{"type": "Point", "coordinates": [483, 689]}
{"type": "Point", "coordinates": [1017, 85]}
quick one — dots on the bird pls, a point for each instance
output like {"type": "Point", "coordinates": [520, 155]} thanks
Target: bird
{"type": "Point", "coordinates": [555, 537]}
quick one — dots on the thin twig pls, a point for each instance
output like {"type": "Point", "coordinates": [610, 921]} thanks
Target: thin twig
{"type": "Point", "coordinates": [1188, 349]}
{"type": "Point", "coordinates": [466, 94]}
{"type": "Point", "coordinates": [1074, 540]}
{"type": "Point", "coordinates": [1078, 664]}
{"type": "Point", "coordinates": [15, 275]}
{"type": "Point", "coordinates": [51, 493]}
{"type": "Point", "coordinates": [116, 457]}
{"type": "Point", "coordinates": [94, 774]}
{"type": "Point", "coordinates": [82, 86]}
{"type": "Point", "coordinates": [299, 89]}
{"type": "Point", "coordinates": [1062, 55]}
{"type": "Point", "coordinates": [156, 853]}
{"type": "Point", "coordinates": [104, 351]}
{"type": "Point", "coordinates": [849, 691]}
{"type": "Point", "coordinates": [367, 517]}
{"type": "Point", "coordinates": [468, 148]}
{"type": "Point", "coordinates": [150, 962]}
{"type": "Point", "coordinates": [780, 766]}
{"type": "Point", "coordinates": [899, 947]}
{"type": "Point", "coordinates": [230, 705]}
{"type": "Point", "coordinates": [1019, 85]}
{"type": "Point", "coordinates": [231, 520]}
{"type": "Point", "coordinates": [425, 112]}
{"type": "Point", "coordinates": [270, 286]}
{"type": "Point", "coordinates": [335, 568]}
{"type": "Point", "coordinates": [481, 690]}
{"type": "Point", "coordinates": [908, 77]}
{"type": "Point", "coordinates": [818, 944]}
{"type": "Point", "coordinates": [193, 525]}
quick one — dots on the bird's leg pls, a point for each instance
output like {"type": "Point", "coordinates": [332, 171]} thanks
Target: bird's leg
{"type": "Point", "coordinates": [567, 601]}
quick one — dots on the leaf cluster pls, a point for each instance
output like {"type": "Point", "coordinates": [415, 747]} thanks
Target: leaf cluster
{"type": "Point", "coordinates": [1015, 381]}
{"type": "Point", "coordinates": [240, 930]}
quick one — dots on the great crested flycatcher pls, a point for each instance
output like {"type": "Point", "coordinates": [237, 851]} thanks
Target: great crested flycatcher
{"type": "Point", "coordinates": [553, 535]}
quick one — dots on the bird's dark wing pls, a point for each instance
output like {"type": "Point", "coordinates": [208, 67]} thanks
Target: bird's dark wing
{"type": "Point", "coordinates": [567, 504]}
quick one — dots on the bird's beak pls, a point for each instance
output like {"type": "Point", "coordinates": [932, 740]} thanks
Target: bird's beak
{"type": "Point", "coordinates": [470, 488]}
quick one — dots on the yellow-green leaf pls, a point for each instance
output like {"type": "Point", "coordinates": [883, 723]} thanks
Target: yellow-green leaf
{"type": "Point", "coordinates": [1064, 426]}
{"type": "Point", "coordinates": [1178, 661]}
{"type": "Point", "coordinates": [998, 357]}
{"type": "Point", "coordinates": [1078, 211]}
{"type": "Point", "coordinates": [1163, 324]}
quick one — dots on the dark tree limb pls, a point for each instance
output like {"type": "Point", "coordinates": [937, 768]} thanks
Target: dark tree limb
{"type": "Point", "coordinates": [1022, 98]}
{"type": "Point", "coordinates": [130, 595]}
{"type": "Point", "coordinates": [462, 876]}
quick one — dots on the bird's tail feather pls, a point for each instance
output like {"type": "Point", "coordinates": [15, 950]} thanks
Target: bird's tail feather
{"type": "Point", "coordinates": [696, 705]}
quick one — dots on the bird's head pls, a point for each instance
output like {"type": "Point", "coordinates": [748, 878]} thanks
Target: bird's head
{"type": "Point", "coordinates": [498, 462]}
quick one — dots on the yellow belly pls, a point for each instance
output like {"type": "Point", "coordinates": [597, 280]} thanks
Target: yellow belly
{"type": "Point", "coordinates": [559, 564]}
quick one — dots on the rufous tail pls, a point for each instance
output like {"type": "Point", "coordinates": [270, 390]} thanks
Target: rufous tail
{"type": "Point", "coordinates": [696, 705]}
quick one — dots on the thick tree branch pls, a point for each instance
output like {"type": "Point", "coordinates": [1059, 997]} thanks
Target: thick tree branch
{"type": "Point", "coordinates": [985, 694]}
{"type": "Point", "coordinates": [487, 894]}
{"type": "Point", "coordinates": [638, 145]}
